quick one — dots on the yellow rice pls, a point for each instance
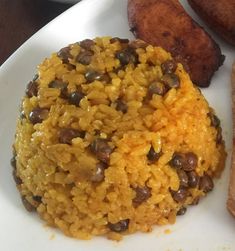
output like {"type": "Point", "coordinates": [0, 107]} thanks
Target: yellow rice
{"type": "Point", "coordinates": [59, 174]}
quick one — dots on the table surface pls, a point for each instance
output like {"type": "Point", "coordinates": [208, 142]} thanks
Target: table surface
{"type": "Point", "coordinates": [20, 19]}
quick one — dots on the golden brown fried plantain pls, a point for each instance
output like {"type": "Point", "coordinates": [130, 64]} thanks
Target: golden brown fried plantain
{"type": "Point", "coordinates": [165, 23]}
{"type": "Point", "coordinates": [219, 15]}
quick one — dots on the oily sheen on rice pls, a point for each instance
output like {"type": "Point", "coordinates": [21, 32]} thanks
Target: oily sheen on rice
{"type": "Point", "coordinates": [114, 138]}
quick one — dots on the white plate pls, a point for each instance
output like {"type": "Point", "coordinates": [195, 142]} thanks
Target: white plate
{"type": "Point", "coordinates": [206, 227]}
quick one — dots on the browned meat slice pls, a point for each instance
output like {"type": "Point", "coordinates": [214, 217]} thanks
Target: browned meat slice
{"type": "Point", "coordinates": [231, 193]}
{"type": "Point", "coordinates": [219, 15]}
{"type": "Point", "coordinates": [165, 23]}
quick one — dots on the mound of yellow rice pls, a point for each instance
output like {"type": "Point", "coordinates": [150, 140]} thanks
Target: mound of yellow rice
{"type": "Point", "coordinates": [114, 138]}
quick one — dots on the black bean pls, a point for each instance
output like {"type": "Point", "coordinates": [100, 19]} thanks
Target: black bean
{"type": "Point", "coordinates": [92, 75]}
{"type": "Point", "coordinates": [183, 178]}
{"type": "Point", "coordinates": [171, 80]}
{"type": "Point", "coordinates": [98, 176]}
{"type": "Point", "coordinates": [32, 89]}
{"type": "Point", "coordinates": [157, 88]}
{"type": "Point", "coordinates": [22, 115]}
{"type": "Point", "coordinates": [106, 78]}
{"type": "Point", "coordinates": [152, 155]}
{"type": "Point", "coordinates": [74, 98]}
{"type": "Point", "coordinates": [120, 226]}
{"type": "Point", "coordinates": [193, 179]}
{"type": "Point", "coordinates": [17, 179]}
{"type": "Point", "coordinates": [119, 68]}
{"type": "Point", "coordinates": [121, 106]}
{"type": "Point", "coordinates": [127, 56]}
{"type": "Point", "coordinates": [182, 211]}
{"type": "Point", "coordinates": [13, 161]}
{"type": "Point", "coordinates": [180, 195]}
{"type": "Point", "coordinates": [191, 161]}
{"type": "Point", "coordinates": [64, 54]}
{"type": "Point", "coordinates": [84, 57]}
{"type": "Point", "coordinates": [219, 137]}
{"type": "Point", "coordinates": [71, 67]}
{"type": "Point", "coordinates": [135, 44]}
{"type": "Point", "coordinates": [101, 149]}
{"type": "Point", "coordinates": [123, 57]}
{"type": "Point", "coordinates": [120, 40]}
{"type": "Point", "coordinates": [37, 115]}
{"type": "Point", "coordinates": [215, 122]}
{"type": "Point", "coordinates": [37, 198]}
{"type": "Point", "coordinates": [67, 134]}
{"type": "Point", "coordinates": [59, 84]}
{"type": "Point", "coordinates": [206, 183]}
{"type": "Point", "coordinates": [28, 206]}
{"type": "Point", "coordinates": [142, 194]}
{"type": "Point", "coordinates": [177, 160]}
{"type": "Point", "coordinates": [86, 44]}
{"type": "Point", "coordinates": [169, 66]}
{"type": "Point", "coordinates": [35, 77]}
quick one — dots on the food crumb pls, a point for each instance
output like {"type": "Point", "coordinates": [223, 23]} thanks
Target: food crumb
{"type": "Point", "coordinates": [167, 231]}
{"type": "Point", "coordinates": [52, 237]}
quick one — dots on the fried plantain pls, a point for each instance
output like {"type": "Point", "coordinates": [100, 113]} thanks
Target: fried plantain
{"type": "Point", "coordinates": [165, 23]}
{"type": "Point", "coordinates": [219, 15]}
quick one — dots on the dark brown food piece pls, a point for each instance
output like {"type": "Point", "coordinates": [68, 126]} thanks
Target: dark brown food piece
{"type": "Point", "coordinates": [138, 43]}
{"type": "Point", "coordinates": [59, 84]}
{"type": "Point", "coordinates": [171, 80]}
{"type": "Point", "coordinates": [35, 77]}
{"type": "Point", "coordinates": [177, 160]}
{"type": "Point", "coordinates": [142, 194]}
{"type": "Point", "coordinates": [13, 161]}
{"type": "Point", "coordinates": [37, 198]}
{"type": "Point", "coordinates": [219, 15]}
{"type": "Point", "coordinates": [190, 161]}
{"type": "Point", "coordinates": [67, 134]}
{"type": "Point", "coordinates": [37, 115]}
{"type": "Point", "coordinates": [193, 179]}
{"type": "Point", "coordinates": [168, 67]}
{"type": "Point", "coordinates": [121, 106]}
{"type": "Point", "coordinates": [206, 183]}
{"type": "Point", "coordinates": [157, 88]}
{"type": "Point", "coordinates": [92, 75]}
{"type": "Point", "coordinates": [29, 207]}
{"type": "Point", "coordinates": [182, 211]}
{"type": "Point", "coordinates": [127, 56]}
{"type": "Point", "coordinates": [215, 122]}
{"type": "Point", "coordinates": [74, 98]}
{"type": "Point", "coordinates": [120, 226]}
{"type": "Point", "coordinates": [84, 57]}
{"type": "Point", "coordinates": [98, 176]}
{"type": "Point", "coordinates": [219, 137]}
{"type": "Point", "coordinates": [120, 40]}
{"type": "Point", "coordinates": [64, 54]}
{"type": "Point", "coordinates": [180, 195]}
{"type": "Point", "coordinates": [32, 89]}
{"type": "Point", "coordinates": [87, 44]}
{"type": "Point", "coordinates": [186, 161]}
{"type": "Point", "coordinates": [17, 179]}
{"type": "Point", "coordinates": [165, 23]}
{"type": "Point", "coordinates": [152, 155]}
{"type": "Point", "coordinates": [22, 114]}
{"type": "Point", "coordinates": [101, 149]}
{"type": "Point", "coordinates": [183, 177]}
